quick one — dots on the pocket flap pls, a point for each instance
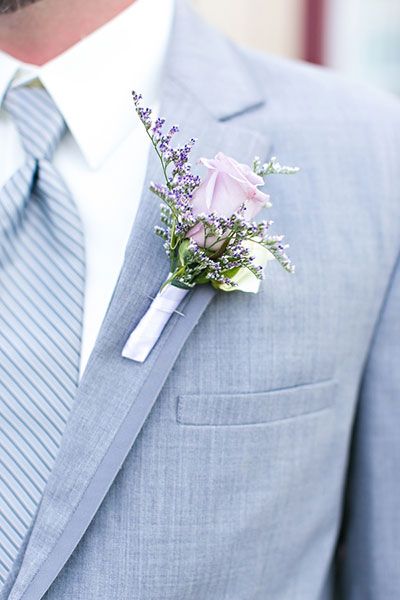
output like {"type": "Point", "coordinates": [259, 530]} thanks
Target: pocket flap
{"type": "Point", "coordinates": [255, 408]}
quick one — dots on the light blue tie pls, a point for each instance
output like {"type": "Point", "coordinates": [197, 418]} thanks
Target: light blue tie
{"type": "Point", "coordinates": [42, 275]}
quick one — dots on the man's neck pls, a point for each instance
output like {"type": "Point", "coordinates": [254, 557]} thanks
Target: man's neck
{"type": "Point", "coordinates": [43, 30]}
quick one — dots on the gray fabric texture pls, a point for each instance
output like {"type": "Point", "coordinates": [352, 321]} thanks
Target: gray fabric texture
{"type": "Point", "coordinates": [218, 468]}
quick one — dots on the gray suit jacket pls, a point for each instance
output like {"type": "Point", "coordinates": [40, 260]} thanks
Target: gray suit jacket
{"type": "Point", "coordinates": [217, 470]}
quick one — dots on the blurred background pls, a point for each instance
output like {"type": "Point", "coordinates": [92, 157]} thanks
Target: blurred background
{"type": "Point", "coordinates": [361, 38]}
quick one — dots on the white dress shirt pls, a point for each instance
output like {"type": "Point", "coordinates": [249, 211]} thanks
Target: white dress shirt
{"type": "Point", "coordinates": [103, 156]}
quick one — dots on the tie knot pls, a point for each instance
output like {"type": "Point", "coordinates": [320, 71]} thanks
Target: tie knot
{"type": "Point", "coordinates": [38, 120]}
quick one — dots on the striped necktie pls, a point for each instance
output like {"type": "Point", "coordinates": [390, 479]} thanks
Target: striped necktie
{"type": "Point", "coordinates": [42, 275]}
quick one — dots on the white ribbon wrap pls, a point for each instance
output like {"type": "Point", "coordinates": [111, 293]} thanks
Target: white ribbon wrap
{"type": "Point", "coordinates": [145, 335]}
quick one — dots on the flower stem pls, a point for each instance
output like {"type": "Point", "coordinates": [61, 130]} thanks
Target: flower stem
{"type": "Point", "coordinates": [171, 278]}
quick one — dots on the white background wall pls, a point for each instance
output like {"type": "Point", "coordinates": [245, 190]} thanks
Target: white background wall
{"type": "Point", "coordinates": [271, 25]}
{"type": "Point", "coordinates": [362, 36]}
{"type": "Point", "coordinates": [364, 40]}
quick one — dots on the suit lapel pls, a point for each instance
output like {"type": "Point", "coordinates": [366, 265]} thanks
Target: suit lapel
{"type": "Point", "coordinates": [116, 395]}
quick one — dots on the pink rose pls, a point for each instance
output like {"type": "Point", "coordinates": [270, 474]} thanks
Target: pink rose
{"type": "Point", "coordinates": [227, 186]}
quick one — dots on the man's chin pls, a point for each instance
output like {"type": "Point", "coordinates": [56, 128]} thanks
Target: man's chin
{"type": "Point", "coordinates": [11, 6]}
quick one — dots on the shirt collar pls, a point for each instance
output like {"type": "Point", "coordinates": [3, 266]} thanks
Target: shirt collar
{"type": "Point", "coordinates": [92, 81]}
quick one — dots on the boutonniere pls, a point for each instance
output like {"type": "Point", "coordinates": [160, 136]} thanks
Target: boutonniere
{"type": "Point", "coordinates": [208, 230]}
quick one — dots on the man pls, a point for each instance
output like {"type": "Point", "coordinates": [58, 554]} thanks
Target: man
{"type": "Point", "coordinates": [253, 455]}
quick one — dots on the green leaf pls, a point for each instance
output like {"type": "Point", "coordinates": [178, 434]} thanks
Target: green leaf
{"type": "Point", "coordinates": [180, 285]}
{"type": "Point", "coordinates": [201, 279]}
{"type": "Point", "coordinates": [231, 272]}
{"type": "Point", "coordinates": [183, 253]}
{"type": "Point", "coordinates": [173, 262]}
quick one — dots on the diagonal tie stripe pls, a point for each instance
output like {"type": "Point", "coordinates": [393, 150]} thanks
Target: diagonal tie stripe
{"type": "Point", "coordinates": [42, 276]}
{"type": "Point", "coordinates": [40, 124]}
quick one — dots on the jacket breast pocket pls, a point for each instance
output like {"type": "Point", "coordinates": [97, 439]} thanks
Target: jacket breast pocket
{"type": "Point", "coordinates": [255, 408]}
